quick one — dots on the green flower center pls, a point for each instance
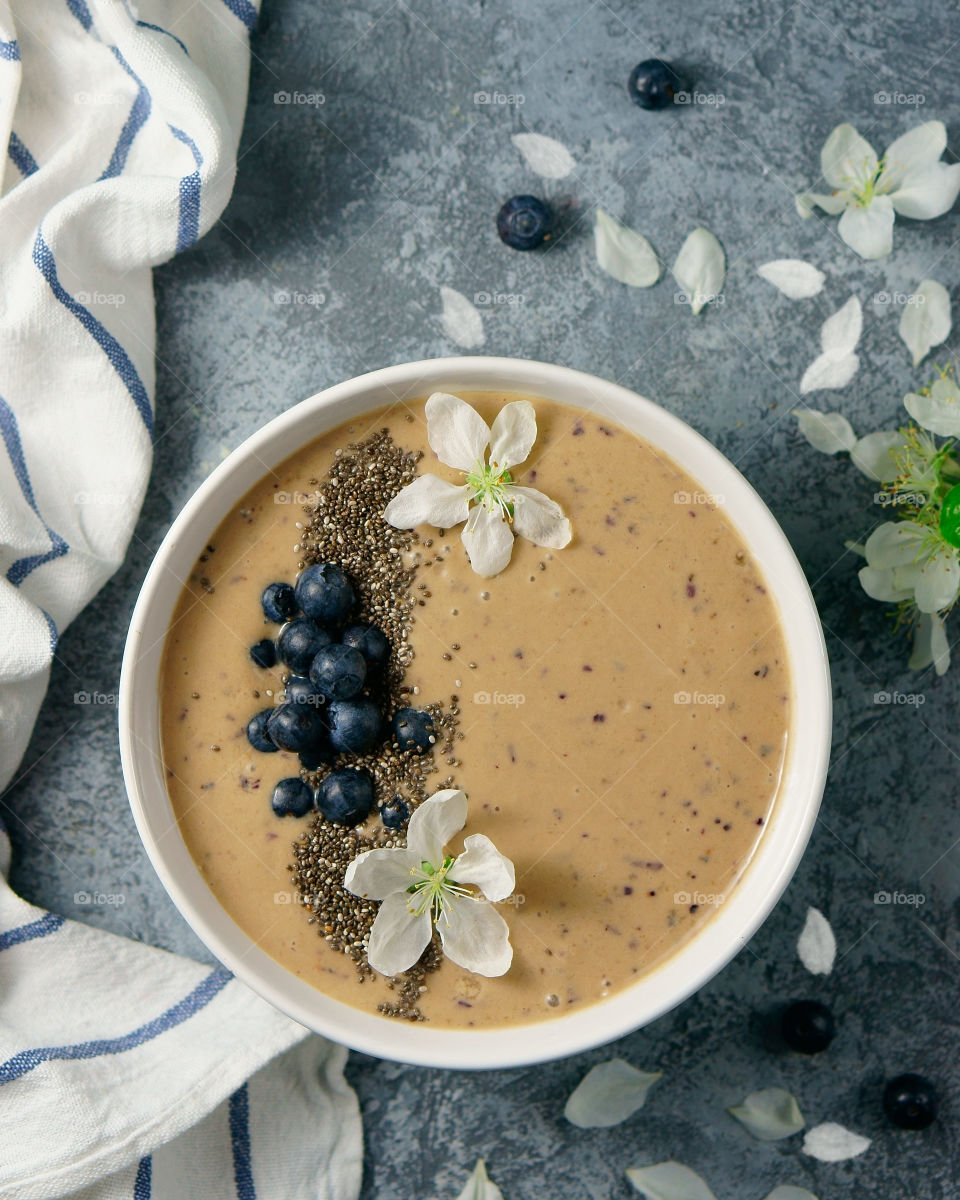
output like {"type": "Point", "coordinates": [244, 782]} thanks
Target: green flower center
{"type": "Point", "coordinates": [434, 890]}
{"type": "Point", "coordinates": [489, 483]}
{"type": "Point", "coordinates": [864, 188]}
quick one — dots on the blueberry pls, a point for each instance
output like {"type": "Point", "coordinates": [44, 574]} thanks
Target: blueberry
{"type": "Point", "coordinates": [370, 641]}
{"type": "Point", "coordinates": [292, 798]}
{"type": "Point", "coordinates": [338, 672]}
{"type": "Point", "coordinates": [316, 757]}
{"type": "Point", "coordinates": [257, 733]}
{"type": "Point", "coordinates": [299, 642]}
{"type": "Point", "coordinates": [300, 690]}
{"type": "Point", "coordinates": [413, 729]}
{"type": "Point", "coordinates": [296, 727]}
{"type": "Point", "coordinates": [355, 725]}
{"type": "Point", "coordinates": [279, 602]}
{"type": "Point", "coordinates": [346, 796]}
{"type": "Point", "coordinates": [324, 592]}
{"type": "Point", "coordinates": [654, 84]}
{"type": "Point", "coordinates": [524, 222]}
{"type": "Point", "coordinates": [808, 1026]}
{"type": "Point", "coordinates": [395, 814]}
{"type": "Point", "coordinates": [264, 653]}
{"type": "Point", "coordinates": [910, 1101]}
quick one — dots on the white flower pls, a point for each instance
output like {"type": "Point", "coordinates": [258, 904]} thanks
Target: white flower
{"type": "Point", "coordinates": [908, 561]}
{"type": "Point", "coordinates": [460, 437]}
{"type": "Point", "coordinates": [939, 411]}
{"type": "Point", "coordinates": [420, 886]}
{"type": "Point", "coordinates": [909, 179]}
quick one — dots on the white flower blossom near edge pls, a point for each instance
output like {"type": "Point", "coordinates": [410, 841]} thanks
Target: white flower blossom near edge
{"type": "Point", "coordinates": [479, 1186]}
{"type": "Point", "coordinates": [624, 253]}
{"type": "Point", "coordinates": [908, 561]}
{"type": "Point", "coordinates": [544, 155]}
{"type": "Point", "coordinates": [830, 1142]}
{"type": "Point", "coordinates": [700, 269]}
{"type": "Point", "coordinates": [608, 1094]}
{"type": "Point", "coordinates": [837, 364]}
{"type": "Point", "coordinates": [770, 1114]}
{"type": "Point", "coordinates": [926, 320]}
{"type": "Point", "coordinates": [419, 886]}
{"type": "Point", "coordinates": [500, 508]}
{"type": "Point", "coordinates": [796, 279]}
{"type": "Point", "coordinates": [816, 946]}
{"type": "Point", "coordinates": [910, 180]}
{"type": "Point", "coordinates": [939, 411]}
{"type": "Point", "coordinates": [461, 322]}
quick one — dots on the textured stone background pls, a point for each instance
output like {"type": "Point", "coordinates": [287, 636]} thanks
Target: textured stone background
{"type": "Point", "coordinates": [375, 199]}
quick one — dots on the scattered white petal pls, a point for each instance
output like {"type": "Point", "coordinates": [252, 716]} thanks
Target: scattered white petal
{"type": "Point", "coordinates": [770, 1114]}
{"type": "Point", "coordinates": [830, 1142]}
{"type": "Point", "coordinates": [876, 455]}
{"type": "Point", "coordinates": [841, 331]}
{"type": "Point", "coordinates": [787, 1191]}
{"type": "Point", "coordinates": [461, 321]}
{"type": "Point", "coordinates": [926, 322]}
{"type": "Point", "coordinates": [544, 155]}
{"type": "Point", "coordinates": [624, 253]}
{"type": "Point", "coordinates": [816, 946]}
{"type": "Point", "coordinates": [795, 278]}
{"type": "Point", "coordinates": [669, 1181]}
{"type": "Point", "coordinates": [828, 372]}
{"type": "Point", "coordinates": [700, 268]}
{"type": "Point", "coordinates": [608, 1094]}
{"type": "Point", "coordinates": [827, 432]}
{"type": "Point", "coordinates": [479, 1186]}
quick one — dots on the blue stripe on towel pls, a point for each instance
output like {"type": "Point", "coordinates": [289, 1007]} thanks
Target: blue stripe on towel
{"type": "Point", "coordinates": [188, 229]}
{"type": "Point", "coordinates": [81, 12]}
{"type": "Point", "coordinates": [28, 933]}
{"type": "Point", "coordinates": [20, 156]}
{"type": "Point", "coordinates": [134, 122]}
{"type": "Point", "coordinates": [143, 1184]}
{"type": "Point", "coordinates": [10, 433]}
{"type": "Point", "coordinates": [119, 360]}
{"type": "Point", "coordinates": [240, 1142]}
{"type": "Point", "coordinates": [244, 11]}
{"type": "Point", "coordinates": [158, 29]}
{"type": "Point", "coordinates": [10, 51]}
{"type": "Point", "coordinates": [199, 998]}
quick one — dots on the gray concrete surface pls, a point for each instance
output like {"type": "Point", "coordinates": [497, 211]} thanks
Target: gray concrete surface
{"type": "Point", "coordinates": [377, 197]}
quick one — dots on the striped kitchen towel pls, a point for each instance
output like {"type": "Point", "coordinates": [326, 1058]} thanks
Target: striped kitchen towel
{"type": "Point", "coordinates": [124, 1071]}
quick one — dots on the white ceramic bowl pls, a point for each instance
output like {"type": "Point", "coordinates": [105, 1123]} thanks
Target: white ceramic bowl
{"type": "Point", "coordinates": [719, 939]}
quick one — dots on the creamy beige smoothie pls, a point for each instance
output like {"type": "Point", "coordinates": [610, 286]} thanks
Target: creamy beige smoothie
{"type": "Point", "coordinates": [624, 706]}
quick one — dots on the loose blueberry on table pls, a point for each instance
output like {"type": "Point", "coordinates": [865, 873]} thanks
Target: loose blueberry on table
{"type": "Point", "coordinates": [524, 222]}
{"type": "Point", "coordinates": [910, 1101]}
{"type": "Point", "coordinates": [654, 83]}
{"type": "Point", "coordinates": [808, 1026]}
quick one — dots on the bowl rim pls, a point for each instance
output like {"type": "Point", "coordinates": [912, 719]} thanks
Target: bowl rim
{"type": "Point", "coordinates": [697, 959]}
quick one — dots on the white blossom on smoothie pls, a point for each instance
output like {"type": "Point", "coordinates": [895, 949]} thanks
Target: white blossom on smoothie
{"type": "Point", "coordinates": [493, 506]}
{"type": "Point", "coordinates": [421, 887]}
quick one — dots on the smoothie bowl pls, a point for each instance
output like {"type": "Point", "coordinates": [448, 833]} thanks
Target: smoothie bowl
{"type": "Point", "coordinates": [475, 712]}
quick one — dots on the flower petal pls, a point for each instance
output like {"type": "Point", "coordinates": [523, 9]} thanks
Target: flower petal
{"type": "Point", "coordinates": [795, 278]}
{"type": "Point", "coordinates": [538, 518]}
{"type": "Point", "coordinates": [608, 1094]}
{"type": "Point", "coordinates": [398, 936]}
{"type": "Point", "coordinates": [457, 434]}
{"type": "Point", "coordinates": [868, 229]}
{"type": "Point", "coordinates": [939, 411]}
{"type": "Point", "coordinates": [829, 371]}
{"type": "Point", "coordinates": [816, 946]}
{"type": "Point", "coordinates": [880, 584]}
{"type": "Point", "coordinates": [434, 822]}
{"type": "Point", "coordinates": [926, 322]}
{"type": "Point", "coordinates": [912, 151]}
{"type": "Point", "coordinates": [930, 645]}
{"type": "Point", "coordinates": [700, 268]}
{"type": "Point", "coordinates": [894, 544]}
{"type": "Point", "coordinates": [827, 432]}
{"type": "Point", "coordinates": [461, 322]}
{"type": "Point", "coordinates": [624, 253]}
{"type": "Point", "coordinates": [544, 155]}
{"type": "Point", "coordinates": [513, 434]}
{"type": "Point", "coordinates": [841, 331]}
{"type": "Point", "coordinates": [833, 203]}
{"type": "Point", "coordinates": [429, 500]}
{"type": "Point", "coordinates": [788, 1191]}
{"type": "Point", "coordinates": [488, 540]}
{"type": "Point", "coordinates": [939, 581]}
{"type": "Point", "coordinates": [830, 1142]}
{"type": "Point", "coordinates": [669, 1181]}
{"type": "Point", "coordinates": [482, 864]}
{"type": "Point", "coordinates": [770, 1114]}
{"type": "Point", "coordinates": [475, 936]}
{"type": "Point", "coordinates": [479, 1185]}
{"type": "Point", "coordinates": [875, 455]}
{"type": "Point", "coordinates": [377, 874]}
{"type": "Point", "coordinates": [929, 193]}
{"type": "Point", "coordinates": [846, 157]}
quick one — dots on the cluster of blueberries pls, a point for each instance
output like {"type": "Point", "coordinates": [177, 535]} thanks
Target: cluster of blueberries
{"type": "Point", "coordinates": [325, 711]}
